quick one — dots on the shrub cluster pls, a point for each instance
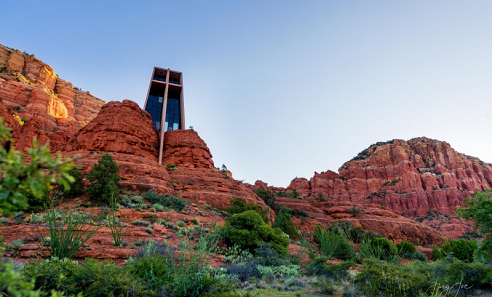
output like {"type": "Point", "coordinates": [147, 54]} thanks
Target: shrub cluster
{"type": "Point", "coordinates": [170, 201]}
{"type": "Point", "coordinates": [249, 230]}
{"type": "Point", "coordinates": [459, 248]}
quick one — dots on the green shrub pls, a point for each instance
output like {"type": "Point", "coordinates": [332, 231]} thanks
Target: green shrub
{"type": "Point", "coordinates": [384, 279]}
{"type": "Point", "coordinates": [407, 250]}
{"type": "Point", "coordinates": [331, 244]}
{"type": "Point", "coordinates": [484, 251]}
{"type": "Point", "coordinates": [19, 178]}
{"type": "Point", "coordinates": [460, 248]}
{"type": "Point", "coordinates": [170, 201]}
{"type": "Point", "coordinates": [13, 283]}
{"type": "Point", "coordinates": [90, 277]}
{"type": "Point", "coordinates": [267, 256]}
{"type": "Point", "coordinates": [269, 198]}
{"type": "Point", "coordinates": [451, 271]}
{"type": "Point", "coordinates": [406, 247]}
{"type": "Point", "coordinates": [379, 249]}
{"type": "Point", "coordinates": [385, 244]}
{"type": "Point", "coordinates": [37, 204]}
{"type": "Point", "coordinates": [318, 266]}
{"type": "Point", "coordinates": [248, 229]}
{"type": "Point", "coordinates": [182, 275]}
{"type": "Point", "coordinates": [77, 186]}
{"type": "Point", "coordinates": [283, 220]}
{"type": "Point", "coordinates": [355, 234]}
{"type": "Point", "coordinates": [239, 205]}
{"type": "Point", "coordinates": [104, 178]}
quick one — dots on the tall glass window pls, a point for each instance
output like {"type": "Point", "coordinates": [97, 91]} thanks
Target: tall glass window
{"type": "Point", "coordinates": [154, 108]}
{"type": "Point", "coordinates": [172, 114]}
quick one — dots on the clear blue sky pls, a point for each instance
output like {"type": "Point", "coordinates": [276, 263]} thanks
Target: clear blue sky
{"type": "Point", "coordinates": [279, 89]}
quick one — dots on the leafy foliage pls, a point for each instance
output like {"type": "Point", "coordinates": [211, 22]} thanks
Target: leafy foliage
{"type": "Point", "coordinates": [479, 209]}
{"type": "Point", "coordinates": [392, 280]}
{"type": "Point", "coordinates": [19, 179]}
{"type": "Point", "coordinates": [170, 201]}
{"type": "Point", "coordinates": [460, 248]}
{"type": "Point", "coordinates": [248, 229]}
{"type": "Point", "coordinates": [269, 198]}
{"type": "Point", "coordinates": [283, 220]}
{"type": "Point", "coordinates": [104, 177]}
{"type": "Point", "coordinates": [77, 186]}
{"type": "Point", "coordinates": [90, 277]}
{"type": "Point", "coordinates": [12, 283]}
{"type": "Point", "coordinates": [331, 244]}
{"type": "Point", "coordinates": [184, 275]}
{"type": "Point", "coordinates": [239, 205]}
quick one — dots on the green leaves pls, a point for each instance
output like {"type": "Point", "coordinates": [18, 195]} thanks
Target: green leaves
{"type": "Point", "coordinates": [35, 178]}
{"type": "Point", "coordinates": [104, 177]}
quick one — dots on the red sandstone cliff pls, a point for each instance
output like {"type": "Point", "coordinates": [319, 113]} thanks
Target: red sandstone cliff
{"type": "Point", "coordinates": [53, 108]}
{"type": "Point", "coordinates": [410, 177]}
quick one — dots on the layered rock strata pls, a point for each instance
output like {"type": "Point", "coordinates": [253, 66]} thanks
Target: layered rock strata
{"type": "Point", "coordinates": [410, 177]}
{"type": "Point", "coordinates": [53, 108]}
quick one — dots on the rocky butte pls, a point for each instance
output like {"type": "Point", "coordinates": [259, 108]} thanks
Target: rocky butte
{"type": "Point", "coordinates": [372, 191]}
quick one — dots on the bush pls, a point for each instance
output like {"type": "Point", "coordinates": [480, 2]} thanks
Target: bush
{"type": "Point", "coordinates": [170, 201]}
{"type": "Point", "coordinates": [104, 178]}
{"type": "Point", "coordinates": [269, 198]}
{"type": "Point", "coordinates": [182, 275]}
{"type": "Point", "coordinates": [406, 247]}
{"type": "Point", "coordinates": [380, 278]}
{"type": "Point", "coordinates": [319, 267]}
{"type": "Point", "coordinates": [77, 186]}
{"type": "Point", "coordinates": [12, 283]}
{"type": "Point", "coordinates": [267, 256]}
{"type": "Point", "coordinates": [239, 205]}
{"type": "Point", "coordinates": [244, 271]}
{"type": "Point", "coordinates": [248, 230]}
{"type": "Point", "coordinates": [407, 250]}
{"type": "Point", "coordinates": [332, 244]}
{"type": "Point", "coordinates": [451, 271]}
{"type": "Point", "coordinates": [386, 245]}
{"type": "Point", "coordinates": [283, 220]}
{"type": "Point", "coordinates": [484, 251]}
{"type": "Point", "coordinates": [355, 234]}
{"type": "Point", "coordinates": [460, 248]}
{"type": "Point", "coordinates": [90, 277]}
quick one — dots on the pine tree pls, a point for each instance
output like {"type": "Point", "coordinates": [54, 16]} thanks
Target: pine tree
{"type": "Point", "coordinates": [104, 177]}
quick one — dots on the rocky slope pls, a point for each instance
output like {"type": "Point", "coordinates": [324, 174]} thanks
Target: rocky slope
{"type": "Point", "coordinates": [411, 177]}
{"type": "Point", "coordinates": [47, 106]}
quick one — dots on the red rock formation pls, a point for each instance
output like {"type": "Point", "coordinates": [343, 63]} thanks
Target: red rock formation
{"type": "Point", "coordinates": [184, 148]}
{"type": "Point", "coordinates": [34, 92]}
{"type": "Point", "coordinates": [120, 127]}
{"type": "Point", "coordinates": [410, 177]}
{"type": "Point", "coordinates": [211, 186]}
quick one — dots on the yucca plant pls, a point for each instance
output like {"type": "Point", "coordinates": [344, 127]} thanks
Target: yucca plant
{"type": "Point", "coordinates": [118, 228]}
{"type": "Point", "coordinates": [68, 231]}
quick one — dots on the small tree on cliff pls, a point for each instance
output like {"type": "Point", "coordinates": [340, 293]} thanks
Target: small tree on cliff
{"type": "Point", "coordinates": [104, 177]}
